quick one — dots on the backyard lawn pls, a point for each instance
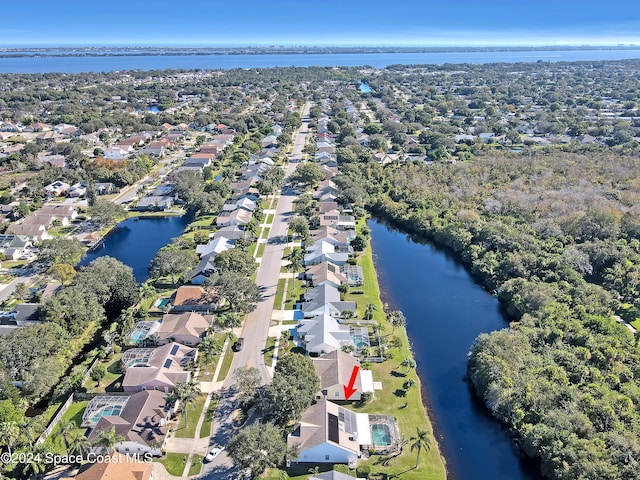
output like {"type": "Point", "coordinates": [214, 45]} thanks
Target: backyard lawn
{"type": "Point", "coordinates": [74, 413]}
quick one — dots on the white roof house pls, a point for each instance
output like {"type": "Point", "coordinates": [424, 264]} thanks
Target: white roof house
{"type": "Point", "coordinates": [323, 334]}
{"type": "Point", "coordinates": [215, 246]}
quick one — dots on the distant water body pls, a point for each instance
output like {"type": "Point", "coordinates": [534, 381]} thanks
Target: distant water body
{"type": "Point", "coordinates": [226, 62]}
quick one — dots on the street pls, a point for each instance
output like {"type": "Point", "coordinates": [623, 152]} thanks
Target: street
{"type": "Point", "coordinates": [256, 325]}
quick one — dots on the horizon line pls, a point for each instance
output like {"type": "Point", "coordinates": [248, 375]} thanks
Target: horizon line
{"type": "Point", "coordinates": [276, 45]}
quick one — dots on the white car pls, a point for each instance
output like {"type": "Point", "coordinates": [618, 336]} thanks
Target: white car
{"type": "Point", "coordinates": [213, 453]}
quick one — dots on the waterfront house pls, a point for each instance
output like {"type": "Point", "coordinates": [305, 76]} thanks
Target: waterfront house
{"type": "Point", "coordinates": [154, 203]}
{"type": "Point", "coordinates": [325, 272]}
{"type": "Point", "coordinates": [323, 251]}
{"type": "Point", "coordinates": [214, 246]}
{"type": "Point", "coordinates": [205, 268]}
{"type": "Point", "coordinates": [323, 334]}
{"type": "Point", "coordinates": [192, 298]}
{"type": "Point", "coordinates": [329, 433]}
{"type": "Point", "coordinates": [335, 370]}
{"type": "Point", "coordinates": [325, 298]}
{"type": "Point", "coordinates": [239, 216]}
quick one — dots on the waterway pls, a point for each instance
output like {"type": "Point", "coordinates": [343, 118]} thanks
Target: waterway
{"type": "Point", "coordinates": [136, 241]}
{"type": "Point", "coordinates": [225, 62]}
{"type": "Point", "coordinates": [446, 310]}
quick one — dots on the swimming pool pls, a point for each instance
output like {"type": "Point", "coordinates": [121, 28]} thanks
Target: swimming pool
{"type": "Point", "coordinates": [381, 435]}
{"type": "Point", "coordinates": [106, 412]}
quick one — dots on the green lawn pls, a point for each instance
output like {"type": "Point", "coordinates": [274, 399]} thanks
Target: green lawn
{"type": "Point", "coordinates": [270, 218]}
{"type": "Point", "coordinates": [187, 429]}
{"type": "Point", "coordinates": [74, 413]}
{"type": "Point", "coordinates": [205, 430]}
{"type": "Point", "coordinates": [174, 463]}
{"type": "Point", "coordinates": [196, 465]}
{"type": "Point", "coordinates": [636, 324]}
{"type": "Point", "coordinates": [261, 248]}
{"type": "Point", "coordinates": [294, 290]}
{"type": "Point", "coordinates": [277, 301]}
{"type": "Point", "coordinates": [226, 363]}
{"type": "Point", "coordinates": [112, 382]}
{"type": "Point", "coordinates": [265, 232]}
{"type": "Point", "coordinates": [269, 350]}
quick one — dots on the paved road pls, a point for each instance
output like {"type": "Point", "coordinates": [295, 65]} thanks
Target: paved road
{"type": "Point", "coordinates": [256, 326]}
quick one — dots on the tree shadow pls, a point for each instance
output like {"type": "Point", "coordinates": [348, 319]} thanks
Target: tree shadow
{"type": "Point", "coordinates": [396, 373]}
{"type": "Point", "coordinates": [399, 392]}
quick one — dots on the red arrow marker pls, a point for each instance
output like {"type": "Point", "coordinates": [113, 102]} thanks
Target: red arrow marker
{"type": "Point", "coordinates": [348, 389]}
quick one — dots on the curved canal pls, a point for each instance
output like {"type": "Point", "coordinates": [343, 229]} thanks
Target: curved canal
{"type": "Point", "coordinates": [446, 310]}
{"type": "Point", "coordinates": [136, 241]}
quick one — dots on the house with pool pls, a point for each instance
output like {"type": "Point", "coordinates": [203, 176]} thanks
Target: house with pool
{"type": "Point", "coordinates": [330, 433]}
{"type": "Point", "coordinates": [159, 368]}
{"type": "Point", "coordinates": [140, 419]}
{"type": "Point", "coordinates": [335, 370]}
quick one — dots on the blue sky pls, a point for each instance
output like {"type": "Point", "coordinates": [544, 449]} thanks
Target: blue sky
{"type": "Point", "coordinates": [325, 22]}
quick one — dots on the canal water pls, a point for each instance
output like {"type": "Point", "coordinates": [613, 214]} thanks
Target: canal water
{"type": "Point", "coordinates": [137, 240]}
{"type": "Point", "coordinates": [446, 310]}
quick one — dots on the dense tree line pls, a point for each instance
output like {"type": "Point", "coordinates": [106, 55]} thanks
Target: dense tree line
{"type": "Point", "coordinates": [557, 237]}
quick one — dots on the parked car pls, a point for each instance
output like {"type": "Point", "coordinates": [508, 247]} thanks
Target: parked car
{"type": "Point", "coordinates": [239, 344]}
{"type": "Point", "coordinates": [213, 453]}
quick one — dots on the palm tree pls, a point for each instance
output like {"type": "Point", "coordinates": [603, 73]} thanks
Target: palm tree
{"type": "Point", "coordinates": [397, 319]}
{"type": "Point", "coordinates": [208, 348]}
{"type": "Point", "coordinates": [296, 262]}
{"type": "Point", "coordinates": [78, 443]}
{"type": "Point", "coordinates": [107, 439]}
{"type": "Point", "coordinates": [408, 363]}
{"type": "Point", "coordinates": [187, 394]}
{"type": "Point", "coordinates": [65, 427]}
{"type": "Point", "coordinates": [420, 441]}
{"type": "Point", "coordinates": [37, 464]}
{"type": "Point", "coordinates": [9, 432]}
{"type": "Point", "coordinates": [368, 313]}
{"type": "Point", "coordinates": [147, 290]}
{"type": "Point", "coordinates": [408, 383]}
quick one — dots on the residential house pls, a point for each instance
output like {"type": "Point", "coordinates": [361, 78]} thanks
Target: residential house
{"type": "Point", "coordinates": [187, 328]}
{"type": "Point", "coordinates": [155, 203]}
{"type": "Point", "coordinates": [205, 268]}
{"type": "Point", "coordinates": [77, 190]}
{"type": "Point", "coordinates": [245, 203]}
{"type": "Point", "coordinates": [191, 298]}
{"type": "Point", "coordinates": [116, 153]}
{"type": "Point", "coordinates": [323, 251]}
{"type": "Point", "coordinates": [214, 246]}
{"type": "Point", "coordinates": [142, 424]}
{"type": "Point", "coordinates": [239, 216]}
{"type": "Point", "coordinates": [35, 233]}
{"type": "Point", "coordinates": [56, 188]}
{"type": "Point", "coordinates": [341, 239]}
{"type": "Point", "coordinates": [323, 334]}
{"type": "Point", "coordinates": [337, 220]}
{"type": "Point", "coordinates": [335, 370]}
{"type": "Point", "coordinates": [119, 467]}
{"type": "Point", "coordinates": [329, 433]}
{"type": "Point", "coordinates": [325, 272]}
{"type": "Point", "coordinates": [325, 298]}
{"type": "Point", "coordinates": [231, 232]}
{"type": "Point", "coordinates": [14, 246]}
{"type": "Point", "coordinates": [331, 475]}
{"type": "Point", "coordinates": [159, 368]}
{"type": "Point", "coordinates": [155, 149]}
{"type": "Point", "coordinates": [47, 214]}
